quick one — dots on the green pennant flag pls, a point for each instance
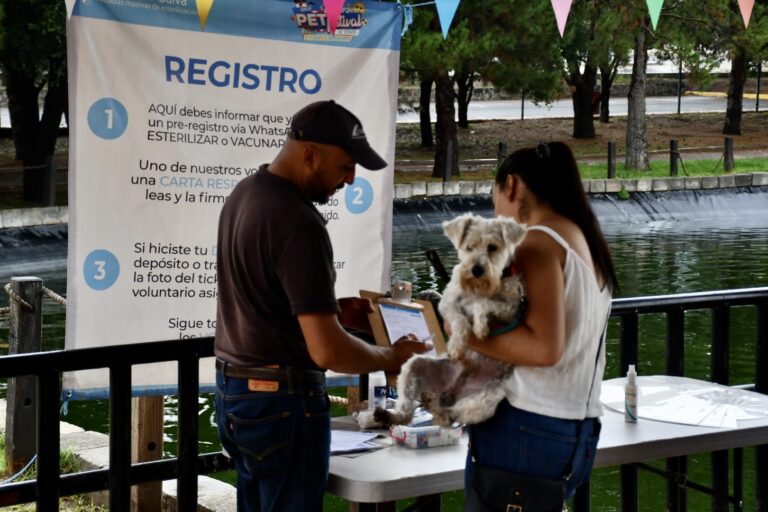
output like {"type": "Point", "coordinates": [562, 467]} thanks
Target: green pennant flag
{"type": "Point", "coordinates": [654, 8]}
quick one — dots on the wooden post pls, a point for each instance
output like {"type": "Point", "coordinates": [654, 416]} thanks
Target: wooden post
{"type": "Point", "coordinates": [728, 160]}
{"type": "Point", "coordinates": [146, 446]}
{"type": "Point", "coordinates": [49, 182]}
{"type": "Point", "coordinates": [501, 154]}
{"type": "Point", "coordinates": [673, 157]}
{"type": "Point", "coordinates": [353, 399]}
{"type": "Point", "coordinates": [25, 336]}
{"type": "Point", "coordinates": [611, 160]}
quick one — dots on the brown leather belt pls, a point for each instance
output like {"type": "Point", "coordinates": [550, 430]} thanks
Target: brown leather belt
{"type": "Point", "coordinates": [290, 376]}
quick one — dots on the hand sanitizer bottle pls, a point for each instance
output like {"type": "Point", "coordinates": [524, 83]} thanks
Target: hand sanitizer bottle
{"type": "Point", "coordinates": [377, 390]}
{"type": "Point", "coordinates": [630, 396]}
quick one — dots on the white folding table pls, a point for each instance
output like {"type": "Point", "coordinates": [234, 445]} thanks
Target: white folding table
{"type": "Point", "coordinates": [399, 472]}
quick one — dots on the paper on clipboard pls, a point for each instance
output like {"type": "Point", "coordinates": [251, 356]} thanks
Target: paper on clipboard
{"type": "Point", "coordinates": [400, 321]}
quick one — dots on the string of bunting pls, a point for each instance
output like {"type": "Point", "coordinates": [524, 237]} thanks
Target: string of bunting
{"type": "Point", "coordinates": [446, 10]}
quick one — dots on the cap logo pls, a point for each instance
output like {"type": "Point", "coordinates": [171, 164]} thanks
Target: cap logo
{"type": "Point", "coordinates": [357, 132]}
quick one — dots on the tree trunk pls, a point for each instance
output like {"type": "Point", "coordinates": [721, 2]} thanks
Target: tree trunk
{"type": "Point", "coordinates": [447, 148]}
{"type": "Point", "coordinates": [425, 123]}
{"type": "Point", "coordinates": [737, 79]}
{"type": "Point", "coordinates": [34, 137]}
{"type": "Point", "coordinates": [637, 145]}
{"type": "Point", "coordinates": [583, 87]}
{"type": "Point", "coordinates": [606, 82]}
{"type": "Point", "coordinates": [466, 86]}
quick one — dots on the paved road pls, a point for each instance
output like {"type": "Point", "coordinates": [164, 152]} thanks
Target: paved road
{"type": "Point", "coordinates": [483, 110]}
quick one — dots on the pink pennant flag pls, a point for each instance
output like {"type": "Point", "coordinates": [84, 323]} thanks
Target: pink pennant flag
{"type": "Point", "coordinates": [562, 8]}
{"type": "Point", "coordinates": [746, 10]}
{"type": "Point", "coordinates": [332, 13]}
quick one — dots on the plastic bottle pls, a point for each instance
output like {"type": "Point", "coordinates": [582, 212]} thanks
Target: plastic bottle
{"type": "Point", "coordinates": [630, 396]}
{"type": "Point", "coordinates": [377, 390]}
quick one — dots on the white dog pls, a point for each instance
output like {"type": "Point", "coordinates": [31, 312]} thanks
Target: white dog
{"type": "Point", "coordinates": [485, 288]}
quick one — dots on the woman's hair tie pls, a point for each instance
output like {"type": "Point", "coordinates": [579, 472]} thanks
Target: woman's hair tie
{"type": "Point", "coordinates": [542, 150]}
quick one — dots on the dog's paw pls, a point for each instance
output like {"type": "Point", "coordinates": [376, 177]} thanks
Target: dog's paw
{"type": "Point", "coordinates": [382, 417]}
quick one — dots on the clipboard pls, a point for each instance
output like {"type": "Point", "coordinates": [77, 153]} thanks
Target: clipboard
{"type": "Point", "coordinates": [416, 306]}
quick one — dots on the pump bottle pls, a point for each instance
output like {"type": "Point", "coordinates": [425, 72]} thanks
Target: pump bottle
{"type": "Point", "coordinates": [377, 390]}
{"type": "Point", "coordinates": [630, 396]}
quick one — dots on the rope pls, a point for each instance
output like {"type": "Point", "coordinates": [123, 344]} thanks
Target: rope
{"type": "Point", "coordinates": [54, 296]}
{"type": "Point", "coordinates": [23, 470]}
{"type": "Point", "coordinates": [338, 400]}
{"type": "Point", "coordinates": [15, 296]}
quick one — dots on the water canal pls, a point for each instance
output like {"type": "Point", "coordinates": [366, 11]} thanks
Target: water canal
{"type": "Point", "coordinates": [663, 243]}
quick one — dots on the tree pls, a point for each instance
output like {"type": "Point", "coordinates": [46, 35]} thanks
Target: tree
{"type": "Point", "coordinates": [33, 61]}
{"type": "Point", "coordinates": [595, 39]}
{"type": "Point", "coordinates": [637, 144]}
{"type": "Point", "coordinates": [712, 29]}
{"type": "Point", "coordinates": [746, 44]}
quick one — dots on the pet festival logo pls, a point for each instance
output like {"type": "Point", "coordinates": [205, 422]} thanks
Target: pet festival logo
{"type": "Point", "coordinates": [311, 19]}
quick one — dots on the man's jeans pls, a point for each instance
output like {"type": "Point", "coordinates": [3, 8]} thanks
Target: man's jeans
{"type": "Point", "coordinates": [280, 442]}
{"type": "Point", "coordinates": [525, 442]}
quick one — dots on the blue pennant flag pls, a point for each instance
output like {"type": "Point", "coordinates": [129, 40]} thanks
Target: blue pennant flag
{"type": "Point", "coordinates": [446, 10]}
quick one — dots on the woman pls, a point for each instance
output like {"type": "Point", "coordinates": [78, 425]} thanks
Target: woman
{"type": "Point", "coordinates": [548, 426]}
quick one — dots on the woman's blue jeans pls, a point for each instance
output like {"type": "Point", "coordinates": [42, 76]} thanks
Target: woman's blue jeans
{"type": "Point", "coordinates": [280, 442]}
{"type": "Point", "coordinates": [525, 442]}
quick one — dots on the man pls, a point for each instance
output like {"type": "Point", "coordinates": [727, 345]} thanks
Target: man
{"type": "Point", "coordinates": [277, 324]}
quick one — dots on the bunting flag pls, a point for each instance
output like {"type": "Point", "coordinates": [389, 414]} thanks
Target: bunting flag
{"type": "Point", "coordinates": [562, 8]}
{"type": "Point", "coordinates": [446, 10]}
{"type": "Point", "coordinates": [746, 10]}
{"type": "Point", "coordinates": [203, 8]}
{"type": "Point", "coordinates": [332, 13]}
{"type": "Point", "coordinates": [654, 8]}
{"type": "Point", "coordinates": [70, 6]}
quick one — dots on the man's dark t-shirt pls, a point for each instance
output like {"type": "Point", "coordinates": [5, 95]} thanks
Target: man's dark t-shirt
{"type": "Point", "coordinates": [274, 261]}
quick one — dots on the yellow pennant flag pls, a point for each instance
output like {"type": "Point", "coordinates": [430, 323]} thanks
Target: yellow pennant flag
{"type": "Point", "coordinates": [203, 8]}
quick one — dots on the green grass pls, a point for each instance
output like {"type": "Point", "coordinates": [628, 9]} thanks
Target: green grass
{"type": "Point", "coordinates": [660, 169]}
{"type": "Point", "coordinates": [68, 463]}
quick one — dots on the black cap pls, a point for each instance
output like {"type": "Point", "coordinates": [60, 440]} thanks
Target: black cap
{"type": "Point", "coordinates": [327, 122]}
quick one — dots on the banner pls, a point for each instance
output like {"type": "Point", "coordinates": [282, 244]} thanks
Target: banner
{"type": "Point", "coordinates": [172, 102]}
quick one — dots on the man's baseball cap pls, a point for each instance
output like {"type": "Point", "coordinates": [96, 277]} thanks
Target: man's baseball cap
{"type": "Point", "coordinates": [327, 122]}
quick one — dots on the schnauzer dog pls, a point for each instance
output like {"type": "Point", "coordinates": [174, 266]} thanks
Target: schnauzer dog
{"type": "Point", "coordinates": [485, 289]}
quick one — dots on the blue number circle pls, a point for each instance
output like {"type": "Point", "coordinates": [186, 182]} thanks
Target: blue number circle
{"type": "Point", "coordinates": [108, 118]}
{"type": "Point", "coordinates": [359, 196]}
{"type": "Point", "coordinates": [101, 269]}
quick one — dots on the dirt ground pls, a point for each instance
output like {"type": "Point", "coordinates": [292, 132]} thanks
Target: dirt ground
{"type": "Point", "coordinates": [694, 132]}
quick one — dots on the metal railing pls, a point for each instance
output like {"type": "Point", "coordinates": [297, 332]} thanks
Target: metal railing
{"type": "Point", "coordinates": [674, 307]}
{"type": "Point", "coordinates": [121, 474]}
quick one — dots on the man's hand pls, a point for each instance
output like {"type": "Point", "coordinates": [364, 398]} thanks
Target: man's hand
{"type": "Point", "coordinates": [408, 345]}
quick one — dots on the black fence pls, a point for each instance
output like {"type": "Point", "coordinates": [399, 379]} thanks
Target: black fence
{"type": "Point", "coordinates": [121, 474]}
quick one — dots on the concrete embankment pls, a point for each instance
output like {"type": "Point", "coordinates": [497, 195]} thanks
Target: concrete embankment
{"type": "Point", "coordinates": [28, 217]}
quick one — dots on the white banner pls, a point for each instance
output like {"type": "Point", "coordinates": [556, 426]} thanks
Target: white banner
{"type": "Point", "coordinates": [169, 109]}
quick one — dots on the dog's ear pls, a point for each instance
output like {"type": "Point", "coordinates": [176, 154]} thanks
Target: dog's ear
{"type": "Point", "coordinates": [512, 232]}
{"type": "Point", "coordinates": [456, 229]}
